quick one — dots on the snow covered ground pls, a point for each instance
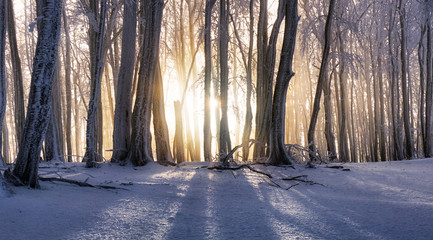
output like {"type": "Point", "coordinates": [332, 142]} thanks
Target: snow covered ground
{"type": "Point", "coordinates": [390, 200]}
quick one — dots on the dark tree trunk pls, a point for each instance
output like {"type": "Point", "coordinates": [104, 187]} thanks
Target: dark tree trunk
{"type": "Point", "coordinates": [207, 134]}
{"type": "Point", "coordinates": [225, 144]}
{"type": "Point", "coordinates": [404, 84]}
{"type": "Point", "coordinates": [162, 141]}
{"type": "Point", "coordinates": [122, 113]}
{"type": "Point", "coordinates": [262, 42]}
{"type": "Point", "coordinates": [279, 154]}
{"type": "Point", "coordinates": [16, 73]}
{"type": "Point", "coordinates": [140, 151]}
{"type": "Point", "coordinates": [38, 109]}
{"type": "Point", "coordinates": [97, 65]}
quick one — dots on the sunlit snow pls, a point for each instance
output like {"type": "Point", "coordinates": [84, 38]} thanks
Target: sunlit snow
{"type": "Point", "coordinates": [389, 200]}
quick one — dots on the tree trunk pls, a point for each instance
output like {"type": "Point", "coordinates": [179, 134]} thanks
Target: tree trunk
{"type": "Point", "coordinates": [279, 154]}
{"type": "Point", "coordinates": [16, 73]}
{"type": "Point", "coordinates": [68, 88]}
{"type": "Point", "coordinates": [343, 143]}
{"type": "Point", "coordinates": [207, 134]}
{"type": "Point", "coordinates": [428, 143]}
{"type": "Point", "coordinates": [162, 141]}
{"type": "Point", "coordinates": [178, 144]}
{"type": "Point", "coordinates": [321, 80]}
{"type": "Point", "coordinates": [248, 112]}
{"type": "Point", "coordinates": [404, 82]}
{"type": "Point", "coordinates": [2, 70]}
{"type": "Point", "coordinates": [54, 135]}
{"type": "Point", "coordinates": [38, 109]}
{"type": "Point", "coordinates": [225, 144]}
{"type": "Point", "coordinates": [140, 150]}
{"type": "Point", "coordinates": [97, 65]}
{"type": "Point", "coordinates": [262, 42]}
{"type": "Point", "coordinates": [122, 114]}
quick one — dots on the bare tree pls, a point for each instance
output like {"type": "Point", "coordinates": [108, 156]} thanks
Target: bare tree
{"type": "Point", "coordinates": [140, 151]}
{"type": "Point", "coordinates": [38, 109]}
{"type": "Point", "coordinates": [225, 143]}
{"type": "Point", "coordinates": [279, 154]}
{"type": "Point", "coordinates": [97, 64]}
{"type": "Point", "coordinates": [322, 77]}
{"type": "Point", "coordinates": [207, 135]}
{"type": "Point", "coordinates": [122, 114]}
{"type": "Point", "coordinates": [404, 84]}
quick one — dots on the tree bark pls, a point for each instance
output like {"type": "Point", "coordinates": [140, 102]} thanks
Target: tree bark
{"type": "Point", "coordinates": [207, 134]}
{"type": "Point", "coordinates": [279, 154]}
{"type": "Point", "coordinates": [404, 82]}
{"type": "Point", "coordinates": [248, 112]}
{"type": "Point", "coordinates": [162, 141]}
{"type": "Point", "coordinates": [2, 70]}
{"type": "Point", "coordinates": [97, 65]}
{"type": "Point", "coordinates": [225, 143]}
{"type": "Point", "coordinates": [16, 73]}
{"type": "Point", "coordinates": [122, 113]}
{"type": "Point", "coordinates": [68, 88]}
{"type": "Point", "coordinates": [261, 100]}
{"type": "Point", "coordinates": [38, 109]}
{"type": "Point", "coordinates": [140, 151]}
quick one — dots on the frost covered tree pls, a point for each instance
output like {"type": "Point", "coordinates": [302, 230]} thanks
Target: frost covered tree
{"type": "Point", "coordinates": [278, 153]}
{"type": "Point", "coordinates": [322, 77]}
{"type": "Point", "coordinates": [25, 171]}
{"type": "Point", "coordinates": [2, 69]}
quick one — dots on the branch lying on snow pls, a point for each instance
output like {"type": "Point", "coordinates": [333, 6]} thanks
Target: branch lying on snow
{"type": "Point", "coordinates": [299, 179]}
{"type": "Point", "coordinates": [81, 184]}
{"type": "Point", "coordinates": [240, 167]}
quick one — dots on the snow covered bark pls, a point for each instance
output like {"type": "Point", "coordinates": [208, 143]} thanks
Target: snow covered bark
{"type": "Point", "coordinates": [278, 153]}
{"type": "Point", "coordinates": [2, 69]}
{"type": "Point", "coordinates": [140, 150]}
{"type": "Point", "coordinates": [122, 114]}
{"type": "Point", "coordinates": [39, 104]}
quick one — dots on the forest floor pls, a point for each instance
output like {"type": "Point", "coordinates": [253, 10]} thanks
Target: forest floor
{"type": "Point", "coordinates": [388, 200]}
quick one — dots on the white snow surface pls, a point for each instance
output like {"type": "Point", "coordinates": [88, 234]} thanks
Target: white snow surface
{"type": "Point", "coordinates": [388, 200]}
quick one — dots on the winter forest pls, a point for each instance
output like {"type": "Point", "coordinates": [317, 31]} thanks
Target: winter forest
{"type": "Point", "coordinates": [189, 80]}
{"type": "Point", "coordinates": [168, 102]}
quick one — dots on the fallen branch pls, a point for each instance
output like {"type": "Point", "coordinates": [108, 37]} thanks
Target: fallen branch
{"type": "Point", "coordinates": [240, 167]}
{"type": "Point", "coordinates": [298, 179]}
{"type": "Point", "coordinates": [81, 184]}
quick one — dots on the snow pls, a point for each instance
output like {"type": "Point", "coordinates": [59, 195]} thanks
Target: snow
{"type": "Point", "coordinates": [389, 200]}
